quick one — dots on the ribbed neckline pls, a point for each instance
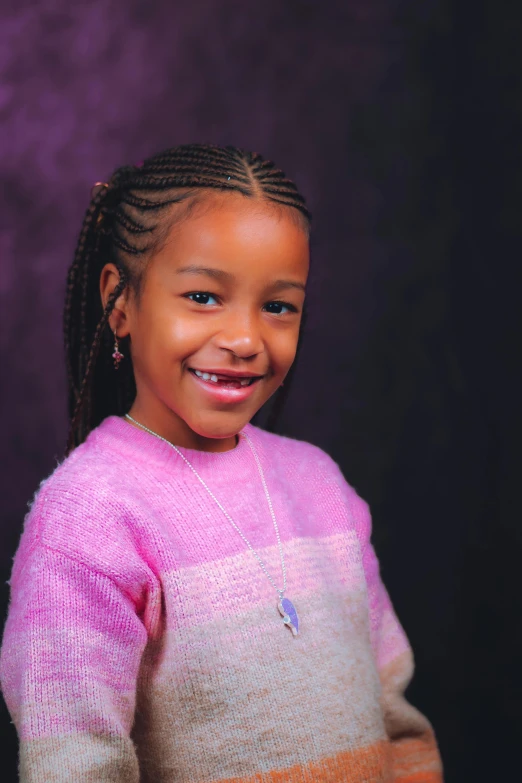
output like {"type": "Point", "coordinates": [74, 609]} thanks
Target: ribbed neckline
{"type": "Point", "coordinates": [135, 443]}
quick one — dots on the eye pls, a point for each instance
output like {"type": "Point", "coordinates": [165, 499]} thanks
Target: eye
{"type": "Point", "coordinates": [280, 308]}
{"type": "Point", "coordinates": [202, 298]}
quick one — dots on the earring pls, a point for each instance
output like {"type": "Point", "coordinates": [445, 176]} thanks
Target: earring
{"type": "Point", "coordinates": [117, 356]}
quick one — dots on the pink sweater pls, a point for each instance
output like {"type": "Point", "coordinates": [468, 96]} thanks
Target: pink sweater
{"type": "Point", "coordinates": [143, 641]}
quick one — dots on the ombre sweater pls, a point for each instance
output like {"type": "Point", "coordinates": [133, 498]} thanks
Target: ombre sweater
{"type": "Point", "coordinates": [143, 641]}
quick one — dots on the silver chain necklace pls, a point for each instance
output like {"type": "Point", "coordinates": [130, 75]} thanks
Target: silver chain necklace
{"type": "Point", "coordinates": [285, 606]}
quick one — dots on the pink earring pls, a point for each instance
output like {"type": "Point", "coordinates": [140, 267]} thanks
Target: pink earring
{"type": "Point", "coordinates": [117, 356]}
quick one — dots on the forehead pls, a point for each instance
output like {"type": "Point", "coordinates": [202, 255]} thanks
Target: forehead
{"type": "Point", "coordinates": [241, 235]}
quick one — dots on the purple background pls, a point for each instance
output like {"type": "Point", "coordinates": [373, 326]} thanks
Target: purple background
{"type": "Point", "coordinates": [399, 121]}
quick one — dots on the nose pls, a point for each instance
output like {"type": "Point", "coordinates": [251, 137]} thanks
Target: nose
{"type": "Point", "coordinates": [241, 334]}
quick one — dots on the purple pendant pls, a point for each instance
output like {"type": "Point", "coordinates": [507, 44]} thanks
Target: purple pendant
{"type": "Point", "coordinates": [289, 614]}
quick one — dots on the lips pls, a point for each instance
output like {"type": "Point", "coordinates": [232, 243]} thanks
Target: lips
{"type": "Point", "coordinates": [227, 389]}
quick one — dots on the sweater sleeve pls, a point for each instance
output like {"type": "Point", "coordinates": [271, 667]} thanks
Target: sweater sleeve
{"type": "Point", "coordinates": [69, 663]}
{"type": "Point", "coordinates": [414, 753]}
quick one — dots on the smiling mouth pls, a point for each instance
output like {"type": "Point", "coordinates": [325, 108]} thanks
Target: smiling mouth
{"type": "Point", "coordinates": [226, 381]}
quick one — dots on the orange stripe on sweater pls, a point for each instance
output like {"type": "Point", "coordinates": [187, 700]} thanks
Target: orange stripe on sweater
{"type": "Point", "coordinates": [416, 761]}
{"type": "Point", "coordinates": [367, 765]}
{"type": "Point", "coordinates": [413, 761]}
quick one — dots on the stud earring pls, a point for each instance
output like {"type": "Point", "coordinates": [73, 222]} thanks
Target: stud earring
{"type": "Point", "coordinates": [117, 356]}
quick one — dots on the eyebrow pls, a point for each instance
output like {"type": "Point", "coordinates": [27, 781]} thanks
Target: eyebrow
{"type": "Point", "coordinates": [220, 274]}
{"type": "Point", "coordinates": [194, 269]}
{"type": "Point", "coordinates": [279, 284]}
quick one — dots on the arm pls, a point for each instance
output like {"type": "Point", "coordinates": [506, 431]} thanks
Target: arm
{"type": "Point", "coordinates": [69, 664]}
{"type": "Point", "coordinates": [414, 754]}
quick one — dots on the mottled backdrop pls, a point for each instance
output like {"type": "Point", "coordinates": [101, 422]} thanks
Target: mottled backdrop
{"type": "Point", "coordinates": [400, 122]}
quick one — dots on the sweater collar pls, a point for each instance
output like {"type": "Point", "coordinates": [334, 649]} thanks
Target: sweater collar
{"type": "Point", "coordinates": [117, 433]}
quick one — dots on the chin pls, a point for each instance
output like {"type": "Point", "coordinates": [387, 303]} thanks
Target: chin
{"type": "Point", "coordinates": [227, 427]}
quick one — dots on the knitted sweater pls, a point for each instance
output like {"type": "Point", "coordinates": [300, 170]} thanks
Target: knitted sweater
{"type": "Point", "coordinates": [143, 641]}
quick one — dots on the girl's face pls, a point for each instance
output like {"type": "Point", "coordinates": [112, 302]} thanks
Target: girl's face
{"type": "Point", "coordinates": [215, 331]}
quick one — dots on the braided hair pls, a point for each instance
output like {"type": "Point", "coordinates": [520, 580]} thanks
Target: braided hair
{"type": "Point", "coordinates": [127, 220]}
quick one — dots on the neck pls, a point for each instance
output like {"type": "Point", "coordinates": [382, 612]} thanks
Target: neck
{"type": "Point", "coordinates": [183, 436]}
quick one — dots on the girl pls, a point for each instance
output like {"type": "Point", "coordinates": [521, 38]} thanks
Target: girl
{"type": "Point", "coordinates": [193, 598]}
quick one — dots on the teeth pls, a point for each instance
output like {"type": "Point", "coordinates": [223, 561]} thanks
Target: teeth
{"type": "Point", "coordinates": [208, 377]}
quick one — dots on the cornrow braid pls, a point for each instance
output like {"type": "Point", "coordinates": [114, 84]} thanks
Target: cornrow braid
{"type": "Point", "coordinates": [126, 221]}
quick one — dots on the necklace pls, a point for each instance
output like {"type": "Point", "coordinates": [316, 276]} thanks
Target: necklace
{"type": "Point", "coordinates": [285, 606]}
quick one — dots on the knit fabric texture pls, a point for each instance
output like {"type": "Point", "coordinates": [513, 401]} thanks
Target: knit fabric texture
{"type": "Point", "coordinates": [143, 642]}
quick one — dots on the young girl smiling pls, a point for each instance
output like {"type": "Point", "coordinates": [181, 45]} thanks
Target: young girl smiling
{"type": "Point", "coordinates": [193, 598]}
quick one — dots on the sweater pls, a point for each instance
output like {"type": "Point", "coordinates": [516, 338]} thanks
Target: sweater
{"type": "Point", "coordinates": [143, 642]}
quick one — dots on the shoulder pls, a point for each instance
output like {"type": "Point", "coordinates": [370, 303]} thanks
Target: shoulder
{"type": "Point", "coordinates": [302, 458]}
{"type": "Point", "coordinates": [290, 448]}
{"type": "Point", "coordinates": [77, 509]}
{"type": "Point", "coordinates": [85, 478]}
{"type": "Point", "coordinates": [316, 474]}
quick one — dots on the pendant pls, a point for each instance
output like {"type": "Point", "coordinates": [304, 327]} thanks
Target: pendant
{"type": "Point", "coordinates": [287, 609]}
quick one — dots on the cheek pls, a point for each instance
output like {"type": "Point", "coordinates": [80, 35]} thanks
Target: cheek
{"type": "Point", "coordinates": [186, 335]}
{"type": "Point", "coordinates": [174, 336]}
{"type": "Point", "coordinates": [283, 350]}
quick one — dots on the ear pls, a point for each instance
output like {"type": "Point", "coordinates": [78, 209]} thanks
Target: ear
{"type": "Point", "coordinates": [119, 319]}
